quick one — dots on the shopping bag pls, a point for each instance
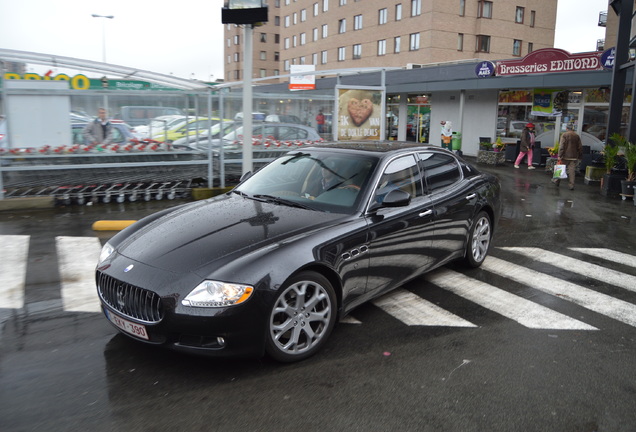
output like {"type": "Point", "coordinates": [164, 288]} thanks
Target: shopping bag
{"type": "Point", "coordinates": [560, 172]}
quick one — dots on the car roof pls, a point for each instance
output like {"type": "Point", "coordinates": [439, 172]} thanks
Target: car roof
{"type": "Point", "coordinates": [373, 146]}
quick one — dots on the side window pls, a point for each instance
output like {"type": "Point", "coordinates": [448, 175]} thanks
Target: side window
{"type": "Point", "coordinates": [290, 132]}
{"type": "Point", "coordinates": [117, 136]}
{"type": "Point", "coordinates": [401, 173]}
{"type": "Point", "coordinates": [440, 170]}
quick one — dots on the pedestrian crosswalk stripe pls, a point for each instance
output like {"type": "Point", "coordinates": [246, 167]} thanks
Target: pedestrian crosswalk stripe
{"type": "Point", "coordinates": [525, 312]}
{"type": "Point", "coordinates": [413, 310]}
{"type": "Point", "coordinates": [587, 298]}
{"type": "Point", "coordinates": [77, 257]}
{"type": "Point", "coordinates": [13, 263]}
{"type": "Point", "coordinates": [593, 271]}
{"type": "Point", "coordinates": [608, 254]}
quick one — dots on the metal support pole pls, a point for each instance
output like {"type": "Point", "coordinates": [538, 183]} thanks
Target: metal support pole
{"type": "Point", "coordinates": [621, 64]}
{"type": "Point", "coordinates": [247, 98]}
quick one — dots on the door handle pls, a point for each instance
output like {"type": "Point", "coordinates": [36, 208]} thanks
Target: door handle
{"type": "Point", "coordinates": [471, 196]}
{"type": "Point", "coordinates": [426, 213]}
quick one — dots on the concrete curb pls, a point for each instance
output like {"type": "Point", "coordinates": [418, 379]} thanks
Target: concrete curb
{"type": "Point", "coordinates": [27, 203]}
{"type": "Point", "coordinates": [112, 225]}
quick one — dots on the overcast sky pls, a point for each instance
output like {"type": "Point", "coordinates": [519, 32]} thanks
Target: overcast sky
{"type": "Point", "coordinates": [185, 38]}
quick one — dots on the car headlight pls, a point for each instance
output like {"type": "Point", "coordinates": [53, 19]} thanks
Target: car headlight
{"type": "Point", "coordinates": [217, 294]}
{"type": "Point", "coordinates": [107, 251]}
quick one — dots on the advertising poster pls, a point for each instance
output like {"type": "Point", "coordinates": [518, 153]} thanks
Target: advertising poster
{"type": "Point", "coordinates": [547, 103]}
{"type": "Point", "coordinates": [360, 114]}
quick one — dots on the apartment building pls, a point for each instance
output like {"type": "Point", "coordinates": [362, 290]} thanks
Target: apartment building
{"type": "Point", "coordinates": [343, 34]}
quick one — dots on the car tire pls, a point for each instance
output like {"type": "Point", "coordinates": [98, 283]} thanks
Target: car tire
{"type": "Point", "coordinates": [301, 318]}
{"type": "Point", "coordinates": [478, 240]}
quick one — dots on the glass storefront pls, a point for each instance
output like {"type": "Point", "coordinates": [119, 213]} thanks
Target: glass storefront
{"type": "Point", "coordinates": [418, 120]}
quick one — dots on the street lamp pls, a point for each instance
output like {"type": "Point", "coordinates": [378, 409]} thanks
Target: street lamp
{"type": "Point", "coordinates": [103, 33]}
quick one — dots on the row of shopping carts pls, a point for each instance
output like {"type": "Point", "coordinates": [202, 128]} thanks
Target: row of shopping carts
{"type": "Point", "coordinates": [106, 193]}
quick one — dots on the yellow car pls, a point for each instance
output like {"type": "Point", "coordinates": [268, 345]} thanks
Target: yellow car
{"type": "Point", "coordinates": [188, 128]}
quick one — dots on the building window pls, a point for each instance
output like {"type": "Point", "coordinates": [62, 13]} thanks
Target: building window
{"type": "Point", "coordinates": [533, 16]}
{"type": "Point", "coordinates": [229, 42]}
{"type": "Point", "coordinates": [294, 41]}
{"type": "Point", "coordinates": [262, 73]}
{"type": "Point", "coordinates": [462, 7]}
{"type": "Point", "coordinates": [357, 51]}
{"type": "Point", "coordinates": [286, 43]}
{"type": "Point", "coordinates": [286, 65]}
{"type": "Point", "coordinates": [295, 18]}
{"type": "Point", "coordinates": [396, 44]}
{"type": "Point", "coordinates": [460, 42]}
{"type": "Point", "coordinates": [343, 2]}
{"type": "Point", "coordinates": [287, 21]}
{"type": "Point", "coordinates": [530, 47]}
{"type": "Point", "coordinates": [263, 37]}
{"type": "Point", "coordinates": [383, 16]}
{"type": "Point", "coordinates": [342, 25]}
{"type": "Point", "coordinates": [416, 7]}
{"type": "Point", "coordinates": [315, 34]}
{"type": "Point", "coordinates": [342, 54]}
{"type": "Point", "coordinates": [357, 22]}
{"type": "Point", "coordinates": [276, 72]}
{"type": "Point", "coordinates": [414, 41]}
{"type": "Point", "coordinates": [483, 43]}
{"type": "Point", "coordinates": [263, 55]}
{"type": "Point", "coordinates": [303, 15]}
{"type": "Point", "coordinates": [485, 9]}
{"type": "Point", "coordinates": [302, 60]}
{"type": "Point", "coordinates": [237, 58]}
{"type": "Point", "coordinates": [325, 6]}
{"type": "Point", "coordinates": [314, 58]}
{"type": "Point", "coordinates": [276, 56]}
{"type": "Point", "coordinates": [516, 47]}
{"type": "Point", "coordinates": [519, 15]}
{"type": "Point", "coordinates": [277, 21]}
{"type": "Point", "coordinates": [316, 9]}
{"type": "Point", "coordinates": [398, 11]}
{"type": "Point", "coordinates": [276, 38]}
{"type": "Point", "coordinates": [303, 38]}
{"type": "Point", "coordinates": [323, 57]}
{"type": "Point", "coordinates": [237, 74]}
{"type": "Point", "coordinates": [237, 40]}
{"type": "Point", "coordinates": [382, 47]}
{"type": "Point", "coordinates": [325, 31]}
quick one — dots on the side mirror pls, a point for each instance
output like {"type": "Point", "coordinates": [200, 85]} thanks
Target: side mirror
{"type": "Point", "coordinates": [396, 198]}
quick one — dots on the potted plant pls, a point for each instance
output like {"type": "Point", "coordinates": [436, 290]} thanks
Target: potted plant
{"type": "Point", "coordinates": [498, 145]}
{"type": "Point", "coordinates": [485, 146]}
{"type": "Point", "coordinates": [628, 184]}
{"type": "Point", "coordinates": [611, 182]}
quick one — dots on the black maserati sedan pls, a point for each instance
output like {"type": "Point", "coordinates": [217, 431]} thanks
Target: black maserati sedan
{"type": "Point", "coordinates": [272, 265]}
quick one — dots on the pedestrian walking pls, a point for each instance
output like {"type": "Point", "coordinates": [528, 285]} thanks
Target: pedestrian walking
{"type": "Point", "coordinates": [320, 122]}
{"type": "Point", "coordinates": [527, 145]}
{"type": "Point", "coordinates": [570, 152]}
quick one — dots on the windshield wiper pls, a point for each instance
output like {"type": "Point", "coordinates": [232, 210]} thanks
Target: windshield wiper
{"type": "Point", "coordinates": [282, 201]}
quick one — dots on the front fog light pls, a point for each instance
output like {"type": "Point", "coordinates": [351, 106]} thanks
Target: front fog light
{"type": "Point", "coordinates": [217, 294]}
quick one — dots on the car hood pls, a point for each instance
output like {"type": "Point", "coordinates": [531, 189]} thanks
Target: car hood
{"type": "Point", "coordinates": [206, 235]}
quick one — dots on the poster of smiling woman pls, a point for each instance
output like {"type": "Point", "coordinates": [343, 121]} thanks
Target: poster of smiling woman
{"type": "Point", "coordinates": [360, 113]}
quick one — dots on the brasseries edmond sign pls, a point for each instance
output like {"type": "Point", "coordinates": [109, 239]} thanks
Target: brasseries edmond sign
{"type": "Point", "coordinates": [550, 60]}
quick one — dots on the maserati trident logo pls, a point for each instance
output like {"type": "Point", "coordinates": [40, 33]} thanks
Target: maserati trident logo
{"type": "Point", "coordinates": [129, 268]}
{"type": "Point", "coordinates": [121, 296]}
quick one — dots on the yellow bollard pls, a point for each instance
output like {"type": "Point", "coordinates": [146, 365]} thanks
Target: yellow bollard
{"type": "Point", "coordinates": [112, 225]}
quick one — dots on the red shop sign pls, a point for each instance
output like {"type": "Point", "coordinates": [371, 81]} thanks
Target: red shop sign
{"type": "Point", "coordinates": [550, 60]}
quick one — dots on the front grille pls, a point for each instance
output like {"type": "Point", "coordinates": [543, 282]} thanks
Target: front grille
{"type": "Point", "coordinates": [129, 300]}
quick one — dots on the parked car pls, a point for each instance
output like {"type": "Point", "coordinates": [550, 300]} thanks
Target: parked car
{"type": "Point", "coordinates": [228, 126]}
{"type": "Point", "coordinates": [159, 125]}
{"type": "Point", "coordinates": [283, 118]}
{"type": "Point", "coordinates": [4, 137]}
{"type": "Point", "coordinates": [256, 116]}
{"type": "Point", "coordinates": [190, 127]}
{"type": "Point", "coordinates": [271, 131]}
{"type": "Point", "coordinates": [271, 266]}
{"type": "Point", "coordinates": [141, 115]}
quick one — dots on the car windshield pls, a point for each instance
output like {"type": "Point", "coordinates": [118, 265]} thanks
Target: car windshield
{"type": "Point", "coordinates": [322, 181]}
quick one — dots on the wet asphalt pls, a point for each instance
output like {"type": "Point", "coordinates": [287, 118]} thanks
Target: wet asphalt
{"type": "Point", "coordinates": [71, 371]}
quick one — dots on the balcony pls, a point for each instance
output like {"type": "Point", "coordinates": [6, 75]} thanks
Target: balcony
{"type": "Point", "coordinates": [602, 19]}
